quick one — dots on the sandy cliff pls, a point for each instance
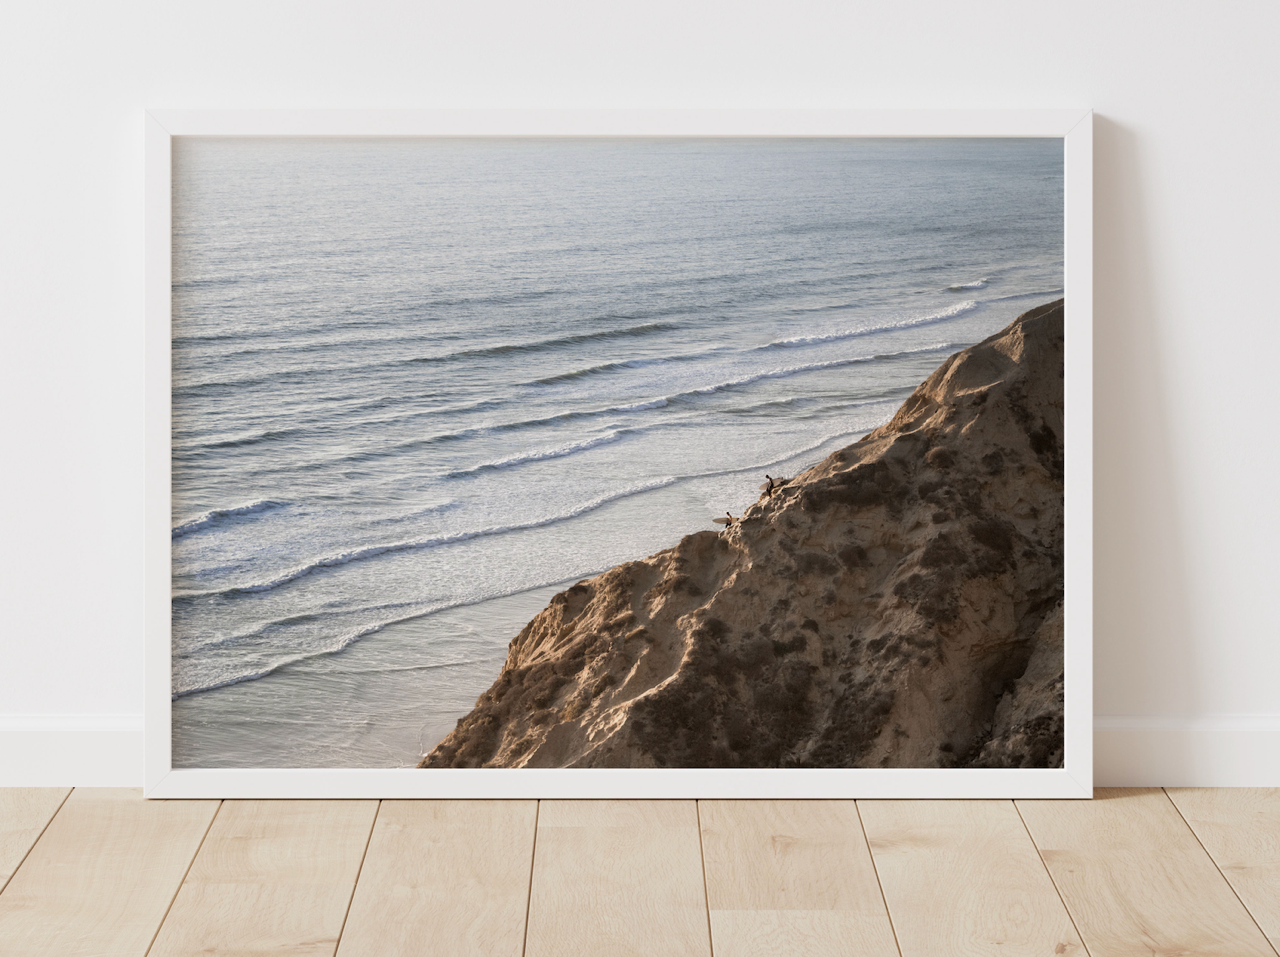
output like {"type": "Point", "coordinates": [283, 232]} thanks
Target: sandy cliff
{"type": "Point", "coordinates": [897, 605]}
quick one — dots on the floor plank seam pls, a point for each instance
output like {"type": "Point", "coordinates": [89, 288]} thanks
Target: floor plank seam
{"type": "Point", "coordinates": [356, 883]}
{"type": "Point", "coordinates": [1214, 862]}
{"type": "Point", "coordinates": [8, 880]}
{"type": "Point", "coordinates": [706, 895]}
{"type": "Point", "coordinates": [178, 890]}
{"type": "Point", "coordinates": [1056, 889]}
{"type": "Point", "coordinates": [533, 860]}
{"type": "Point", "coordinates": [879, 883]}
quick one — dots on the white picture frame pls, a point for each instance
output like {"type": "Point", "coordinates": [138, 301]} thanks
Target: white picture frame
{"type": "Point", "coordinates": [1074, 780]}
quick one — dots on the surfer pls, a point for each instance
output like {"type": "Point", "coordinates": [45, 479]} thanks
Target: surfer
{"type": "Point", "coordinates": [771, 485]}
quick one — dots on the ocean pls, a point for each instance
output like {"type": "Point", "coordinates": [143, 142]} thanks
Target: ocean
{"type": "Point", "coordinates": [420, 385]}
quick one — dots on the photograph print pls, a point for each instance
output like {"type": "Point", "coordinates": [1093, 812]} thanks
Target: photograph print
{"type": "Point", "coordinates": [617, 452]}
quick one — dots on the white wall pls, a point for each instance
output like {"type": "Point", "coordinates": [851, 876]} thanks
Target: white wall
{"type": "Point", "coordinates": [1188, 660]}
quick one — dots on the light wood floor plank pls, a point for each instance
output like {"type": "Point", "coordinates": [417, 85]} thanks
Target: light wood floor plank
{"type": "Point", "coordinates": [24, 813]}
{"type": "Point", "coordinates": [791, 878]}
{"type": "Point", "coordinates": [444, 879]}
{"type": "Point", "coordinates": [102, 875]}
{"type": "Point", "coordinates": [273, 877]}
{"type": "Point", "coordinates": [622, 878]}
{"type": "Point", "coordinates": [1240, 828]}
{"type": "Point", "coordinates": [963, 878]}
{"type": "Point", "coordinates": [1137, 881]}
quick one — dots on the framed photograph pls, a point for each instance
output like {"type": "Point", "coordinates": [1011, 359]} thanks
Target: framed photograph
{"type": "Point", "coordinates": [619, 454]}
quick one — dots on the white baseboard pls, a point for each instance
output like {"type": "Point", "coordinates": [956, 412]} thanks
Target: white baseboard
{"type": "Point", "coordinates": [71, 750]}
{"type": "Point", "coordinates": [1185, 751]}
{"type": "Point", "coordinates": [105, 750]}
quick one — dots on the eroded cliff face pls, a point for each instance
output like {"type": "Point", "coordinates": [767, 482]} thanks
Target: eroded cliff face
{"type": "Point", "coordinates": [897, 605]}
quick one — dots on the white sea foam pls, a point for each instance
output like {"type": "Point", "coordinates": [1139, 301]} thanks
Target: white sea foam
{"type": "Point", "coordinates": [636, 406]}
{"type": "Point", "coordinates": [910, 322]}
{"type": "Point", "coordinates": [217, 514]}
{"type": "Point", "coordinates": [190, 683]}
{"type": "Point", "coordinates": [543, 455]}
{"type": "Point", "coordinates": [861, 428]}
{"type": "Point", "coordinates": [604, 367]}
{"type": "Point", "coordinates": [811, 367]}
{"type": "Point", "coordinates": [188, 648]}
{"type": "Point", "coordinates": [397, 517]}
{"type": "Point", "coordinates": [373, 551]}
{"type": "Point", "coordinates": [976, 284]}
{"type": "Point", "coordinates": [1044, 295]}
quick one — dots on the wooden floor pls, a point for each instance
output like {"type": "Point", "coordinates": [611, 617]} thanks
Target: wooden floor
{"type": "Point", "coordinates": [1133, 872]}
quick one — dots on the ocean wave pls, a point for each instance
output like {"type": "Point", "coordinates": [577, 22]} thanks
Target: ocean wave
{"type": "Point", "coordinates": [976, 284]}
{"type": "Point", "coordinates": [373, 551]}
{"type": "Point", "coordinates": [542, 345]}
{"type": "Point", "coordinates": [278, 377]}
{"type": "Point", "coordinates": [483, 430]}
{"type": "Point", "coordinates": [190, 649]}
{"type": "Point", "coordinates": [234, 443]}
{"type": "Point", "coordinates": [951, 312]}
{"type": "Point", "coordinates": [398, 517]}
{"type": "Point", "coordinates": [180, 339]}
{"type": "Point", "coordinates": [614, 436]}
{"type": "Point", "coordinates": [543, 454]}
{"type": "Point", "coordinates": [658, 402]}
{"type": "Point", "coordinates": [604, 367]}
{"type": "Point", "coordinates": [400, 324]}
{"type": "Point", "coordinates": [297, 345]}
{"type": "Point", "coordinates": [342, 641]}
{"type": "Point", "coordinates": [1029, 295]}
{"type": "Point", "coordinates": [823, 307]}
{"type": "Point", "coordinates": [812, 446]}
{"type": "Point", "coordinates": [339, 643]}
{"type": "Point", "coordinates": [215, 515]}
{"type": "Point", "coordinates": [225, 681]}
{"type": "Point", "coordinates": [635, 406]}
{"type": "Point", "coordinates": [809, 407]}
{"type": "Point", "coordinates": [814, 367]}
{"type": "Point", "coordinates": [399, 418]}
{"type": "Point", "coordinates": [889, 403]}
{"type": "Point", "coordinates": [661, 401]}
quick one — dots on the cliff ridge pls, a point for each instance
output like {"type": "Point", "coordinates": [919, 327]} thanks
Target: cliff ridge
{"type": "Point", "coordinates": [899, 604]}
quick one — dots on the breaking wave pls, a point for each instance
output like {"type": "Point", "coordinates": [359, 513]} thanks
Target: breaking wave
{"type": "Point", "coordinates": [213, 516]}
{"type": "Point", "coordinates": [950, 312]}
{"type": "Point", "coordinates": [373, 551]}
